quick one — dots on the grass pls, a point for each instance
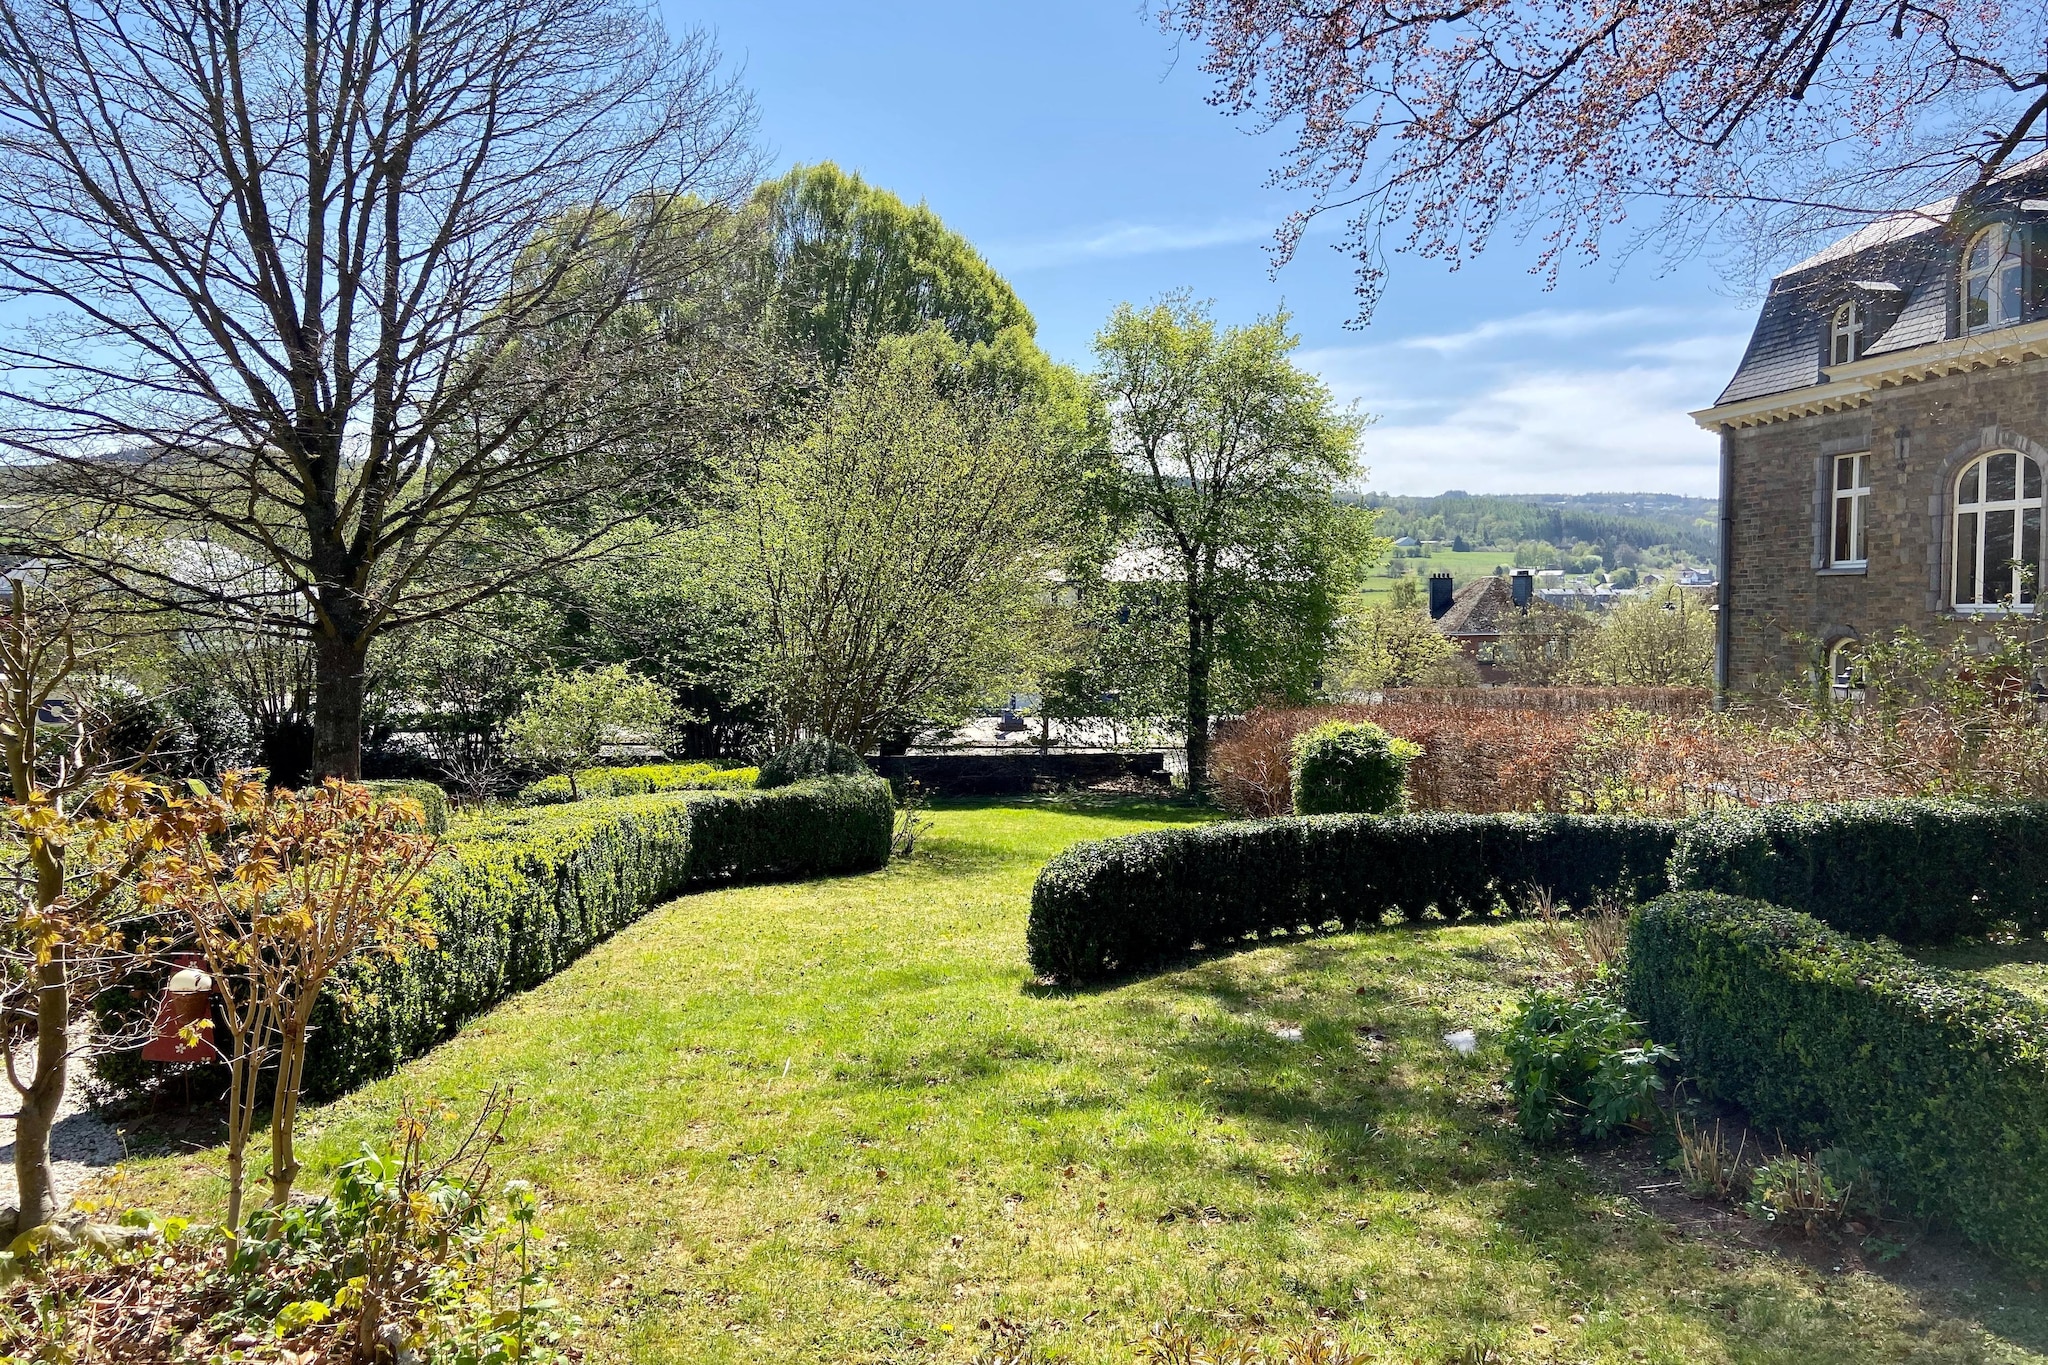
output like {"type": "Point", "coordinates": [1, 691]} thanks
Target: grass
{"type": "Point", "coordinates": [2018, 963]}
{"type": "Point", "coordinates": [836, 1121]}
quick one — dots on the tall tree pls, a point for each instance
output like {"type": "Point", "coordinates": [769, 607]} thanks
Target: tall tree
{"type": "Point", "coordinates": [352, 293]}
{"type": "Point", "coordinates": [1228, 457]}
{"type": "Point", "coordinates": [896, 553]}
{"type": "Point", "coordinates": [844, 261]}
{"type": "Point", "coordinates": [1446, 123]}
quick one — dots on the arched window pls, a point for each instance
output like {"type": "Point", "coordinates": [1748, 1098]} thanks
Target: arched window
{"type": "Point", "coordinates": [1845, 335]}
{"type": "Point", "coordinates": [1991, 279]}
{"type": "Point", "coordinates": [1998, 532]}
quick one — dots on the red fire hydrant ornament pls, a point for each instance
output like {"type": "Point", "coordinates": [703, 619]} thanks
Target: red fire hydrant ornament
{"type": "Point", "coordinates": [183, 1031]}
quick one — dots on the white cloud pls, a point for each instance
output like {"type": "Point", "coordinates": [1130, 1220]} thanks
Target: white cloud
{"type": "Point", "coordinates": [1546, 322]}
{"type": "Point", "coordinates": [1504, 408]}
{"type": "Point", "coordinates": [1111, 241]}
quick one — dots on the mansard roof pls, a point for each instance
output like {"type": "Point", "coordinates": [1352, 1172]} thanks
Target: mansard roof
{"type": "Point", "coordinates": [1901, 268]}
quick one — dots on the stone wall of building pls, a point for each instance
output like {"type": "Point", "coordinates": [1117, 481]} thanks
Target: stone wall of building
{"type": "Point", "coordinates": [1787, 606]}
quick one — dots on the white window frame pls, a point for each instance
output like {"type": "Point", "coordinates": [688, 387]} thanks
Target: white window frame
{"type": "Point", "coordinates": [1969, 534]}
{"type": "Point", "coordinates": [1999, 279]}
{"type": "Point", "coordinates": [1845, 334]}
{"type": "Point", "coordinates": [1848, 511]}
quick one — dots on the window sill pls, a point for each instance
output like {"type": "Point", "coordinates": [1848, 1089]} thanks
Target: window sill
{"type": "Point", "coordinates": [1844, 570]}
{"type": "Point", "coordinates": [2026, 609]}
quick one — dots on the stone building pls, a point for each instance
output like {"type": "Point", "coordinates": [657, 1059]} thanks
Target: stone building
{"type": "Point", "coordinates": [1884, 440]}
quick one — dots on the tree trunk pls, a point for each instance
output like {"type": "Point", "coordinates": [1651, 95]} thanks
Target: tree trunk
{"type": "Point", "coordinates": [284, 1109]}
{"type": "Point", "coordinates": [338, 707]}
{"type": "Point", "coordinates": [1197, 719]}
{"type": "Point", "coordinates": [38, 1114]}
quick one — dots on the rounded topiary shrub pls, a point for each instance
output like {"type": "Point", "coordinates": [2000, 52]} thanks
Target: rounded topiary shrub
{"type": "Point", "coordinates": [1349, 767]}
{"type": "Point", "coordinates": [808, 758]}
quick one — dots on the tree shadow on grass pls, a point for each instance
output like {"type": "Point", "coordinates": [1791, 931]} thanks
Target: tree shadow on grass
{"type": "Point", "coordinates": [1202, 954]}
{"type": "Point", "coordinates": [1345, 1040]}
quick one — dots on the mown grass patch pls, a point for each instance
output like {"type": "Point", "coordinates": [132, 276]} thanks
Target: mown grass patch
{"type": "Point", "coordinates": [837, 1121]}
{"type": "Point", "coordinates": [2016, 962]}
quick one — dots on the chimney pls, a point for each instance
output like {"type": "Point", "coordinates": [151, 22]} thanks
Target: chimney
{"type": "Point", "coordinates": [1439, 595]}
{"type": "Point", "coordinates": [1523, 586]}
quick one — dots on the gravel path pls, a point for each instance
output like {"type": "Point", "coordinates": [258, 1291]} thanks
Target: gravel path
{"type": "Point", "coordinates": [80, 1143]}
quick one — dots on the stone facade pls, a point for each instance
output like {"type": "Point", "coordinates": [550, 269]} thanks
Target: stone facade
{"type": "Point", "coordinates": [1787, 605]}
{"type": "Point", "coordinates": [1921, 345]}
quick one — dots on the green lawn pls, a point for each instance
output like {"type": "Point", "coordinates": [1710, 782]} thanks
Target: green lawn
{"type": "Point", "coordinates": [836, 1121]}
{"type": "Point", "coordinates": [2016, 963]}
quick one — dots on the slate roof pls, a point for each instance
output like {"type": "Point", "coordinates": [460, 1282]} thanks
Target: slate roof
{"type": "Point", "coordinates": [1902, 268]}
{"type": "Point", "coordinates": [1481, 608]}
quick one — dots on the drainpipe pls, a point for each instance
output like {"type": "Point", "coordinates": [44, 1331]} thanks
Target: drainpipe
{"type": "Point", "coordinates": [1724, 615]}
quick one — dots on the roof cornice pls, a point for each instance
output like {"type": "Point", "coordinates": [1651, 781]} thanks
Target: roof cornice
{"type": "Point", "coordinates": [1851, 386]}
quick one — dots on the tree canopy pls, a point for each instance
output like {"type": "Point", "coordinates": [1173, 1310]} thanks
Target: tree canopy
{"type": "Point", "coordinates": [893, 554]}
{"type": "Point", "coordinates": [339, 301]}
{"type": "Point", "coordinates": [1226, 460]}
{"type": "Point", "coordinates": [845, 260]}
{"type": "Point", "coordinates": [1442, 125]}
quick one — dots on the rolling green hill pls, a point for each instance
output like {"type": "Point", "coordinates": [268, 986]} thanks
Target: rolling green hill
{"type": "Point", "coordinates": [1683, 527]}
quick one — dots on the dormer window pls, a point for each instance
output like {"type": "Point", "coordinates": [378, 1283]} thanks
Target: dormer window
{"type": "Point", "coordinates": [1992, 269]}
{"type": "Point", "coordinates": [1845, 336]}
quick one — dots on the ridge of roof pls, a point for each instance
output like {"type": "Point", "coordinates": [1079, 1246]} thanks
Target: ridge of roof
{"type": "Point", "coordinates": [1902, 224]}
{"type": "Point", "coordinates": [1476, 608]}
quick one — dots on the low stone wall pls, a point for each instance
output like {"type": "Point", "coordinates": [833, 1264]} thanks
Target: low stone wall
{"type": "Point", "coordinates": [1011, 774]}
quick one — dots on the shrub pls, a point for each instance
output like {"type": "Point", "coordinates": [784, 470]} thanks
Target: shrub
{"type": "Point", "coordinates": [807, 758]}
{"type": "Point", "coordinates": [414, 1255]}
{"type": "Point", "coordinates": [433, 801]}
{"type": "Point", "coordinates": [638, 780]}
{"type": "Point", "coordinates": [1939, 1084]}
{"type": "Point", "coordinates": [1117, 905]}
{"type": "Point", "coordinates": [568, 718]}
{"type": "Point", "coordinates": [1915, 871]}
{"type": "Point", "coordinates": [1578, 1061]}
{"type": "Point", "coordinates": [1349, 767]}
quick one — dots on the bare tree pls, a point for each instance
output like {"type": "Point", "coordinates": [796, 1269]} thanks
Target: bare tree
{"type": "Point", "coordinates": [1450, 122]}
{"type": "Point", "coordinates": [359, 294]}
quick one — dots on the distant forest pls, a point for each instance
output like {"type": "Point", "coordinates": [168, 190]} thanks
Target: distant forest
{"type": "Point", "coordinates": [1684, 527]}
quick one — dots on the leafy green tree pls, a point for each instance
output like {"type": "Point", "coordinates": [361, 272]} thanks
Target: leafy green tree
{"type": "Point", "coordinates": [1662, 640]}
{"type": "Point", "coordinates": [845, 261]}
{"type": "Point", "coordinates": [894, 555]}
{"type": "Point", "coordinates": [1388, 640]}
{"type": "Point", "coordinates": [565, 722]}
{"type": "Point", "coordinates": [1226, 460]}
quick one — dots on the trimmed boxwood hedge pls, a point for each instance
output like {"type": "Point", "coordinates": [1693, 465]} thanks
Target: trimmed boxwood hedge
{"type": "Point", "coordinates": [518, 896]}
{"type": "Point", "coordinates": [523, 894]}
{"type": "Point", "coordinates": [638, 780]}
{"type": "Point", "coordinates": [1117, 905]}
{"type": "Point", "coordinates": [433, 801]}
{"type": "Point", "coordinates": [1938, 1082]}
{"type": "Point", "coordinates": [1915, 871]}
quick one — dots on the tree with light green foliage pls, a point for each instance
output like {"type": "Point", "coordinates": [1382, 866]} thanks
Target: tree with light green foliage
{"type": "Point", "coordinates": [1388, 640]}
{"type": "Point", "coordinates": [568, 718]}
{"type": "Point", "coordinates": [843, 262]}
{"type": "Point", "coordinates": [1665, 639]}
{"type": "Point", "coordinates": [1226, 460]}
{"type": "Point", "coordinates": [895, 554]}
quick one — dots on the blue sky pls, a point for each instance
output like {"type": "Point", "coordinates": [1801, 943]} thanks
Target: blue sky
{"type": "Point", "coordinates": [1070, 142]}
